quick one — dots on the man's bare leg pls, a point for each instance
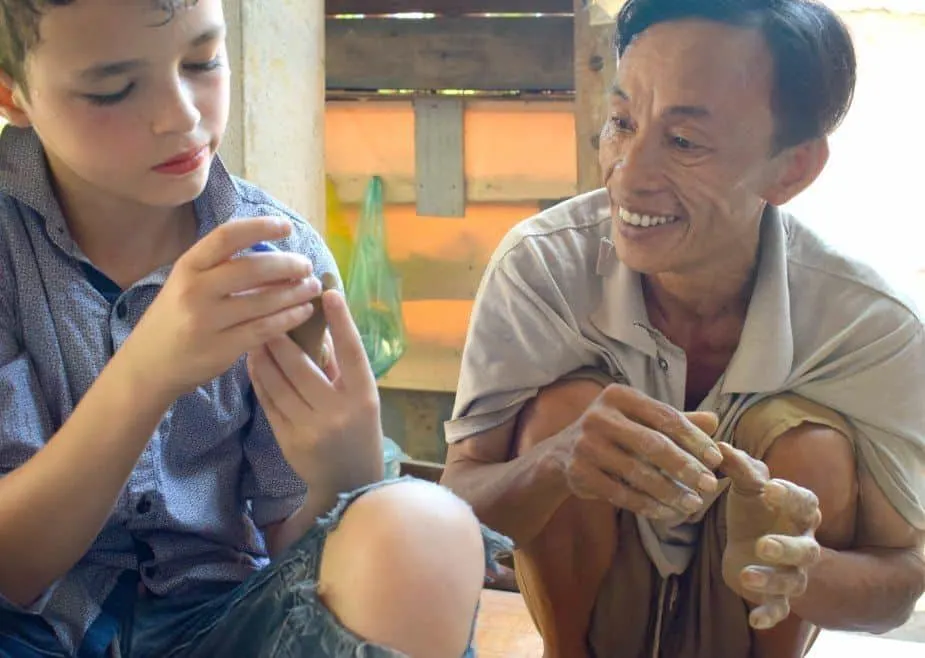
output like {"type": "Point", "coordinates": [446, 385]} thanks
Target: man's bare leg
{"type": "Point", "coordinates": [822, 460]}
{"type": "Point", "coordinates": [561, 570]}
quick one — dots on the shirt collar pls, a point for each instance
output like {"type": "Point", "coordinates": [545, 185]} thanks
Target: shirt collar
{"type": "Point", "coordinates": [24, 176]}
{"type": "Point", "coordinates": [764, 358]}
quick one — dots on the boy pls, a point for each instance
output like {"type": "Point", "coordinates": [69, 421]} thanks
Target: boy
{"type": "Point", "coordinates": [148, 470]}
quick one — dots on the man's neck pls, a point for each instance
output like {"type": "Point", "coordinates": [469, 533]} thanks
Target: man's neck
{"type": "Point", "coordinates": [711, 294]}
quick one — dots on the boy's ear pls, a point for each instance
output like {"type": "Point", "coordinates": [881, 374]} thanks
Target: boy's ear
{"type": "Point", "coordinates": [11, 102]}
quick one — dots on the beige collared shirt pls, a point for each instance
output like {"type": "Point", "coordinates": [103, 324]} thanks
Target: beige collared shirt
{"type": "Point", "coordinates": [555, 299]}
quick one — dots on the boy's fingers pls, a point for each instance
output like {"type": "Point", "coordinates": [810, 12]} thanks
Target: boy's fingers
{"type": "Point", "coordinates": [348, 345]}
{"type": "Point", "coordinates": [233, 237]}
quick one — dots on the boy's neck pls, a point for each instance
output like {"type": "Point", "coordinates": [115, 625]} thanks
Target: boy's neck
{"type": "Point", "coordinates": [124, 240]}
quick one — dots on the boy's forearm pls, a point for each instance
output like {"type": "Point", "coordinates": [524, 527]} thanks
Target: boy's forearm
{"type": "Point", "coordinates": [867, 590]}
{"type": "Point", "coordinates": [54, 506]}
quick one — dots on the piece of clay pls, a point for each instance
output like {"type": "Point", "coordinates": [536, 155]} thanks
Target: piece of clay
{"type": "Point", "coordinates": [310, 334]}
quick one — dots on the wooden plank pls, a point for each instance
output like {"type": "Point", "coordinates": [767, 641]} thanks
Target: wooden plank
{"type": "Point", "coordinates": [514, 151]}
{"type": "Point", "coordinates": [438, 156]}
{"type": "Point", "coordinates": [595, 66]}
{"type": "Point", "coordinates": [448, 7]}
{"type": "Point", "coordinates": [494, 54]}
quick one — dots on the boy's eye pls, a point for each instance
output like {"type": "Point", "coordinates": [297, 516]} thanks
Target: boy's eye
{"type": "Point", "coordinates": [211, 65]}
{"type": "Point", "coordinates": [110, 99]}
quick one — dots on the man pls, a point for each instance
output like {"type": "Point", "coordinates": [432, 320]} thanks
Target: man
{"type": "Point", "coordinates": [615, 334]}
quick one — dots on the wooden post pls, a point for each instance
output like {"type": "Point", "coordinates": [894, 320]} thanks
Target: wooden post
{"type": "Point", "coordinates": [595, 65]}
{"type": "Point", "coordinates": [275, 136]}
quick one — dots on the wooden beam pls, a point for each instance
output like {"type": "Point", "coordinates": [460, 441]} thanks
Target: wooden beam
{"type": "Point", "coordinates": [492, 54]}
{"type": "Point", "coordinates": [595, 66]}
{"type": "Point", "coordinates": [439, 157]}
{"type": "Point", "coordinates": [448, 7]}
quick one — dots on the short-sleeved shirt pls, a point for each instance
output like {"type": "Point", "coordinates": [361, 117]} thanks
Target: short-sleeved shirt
{"type": "Point", "coordinates": [555, 299]}
{"type": "Point", "coordinates": [212, 473]}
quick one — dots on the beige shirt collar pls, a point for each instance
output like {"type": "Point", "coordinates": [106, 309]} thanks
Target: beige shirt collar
{"type": "Point", "coordinates": [764, 358]}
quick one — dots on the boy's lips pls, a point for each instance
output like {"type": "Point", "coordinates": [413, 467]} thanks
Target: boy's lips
{"type": "Point", "coordinates": [184, 162]}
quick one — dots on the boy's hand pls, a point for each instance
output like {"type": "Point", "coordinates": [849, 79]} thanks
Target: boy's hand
{"type": "Point", "coordinates": [326, 422]}
{"type": "Point", "coordinates": [214, 308]}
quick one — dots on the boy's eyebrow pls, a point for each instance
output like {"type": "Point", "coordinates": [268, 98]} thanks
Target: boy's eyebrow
{"type": "Point", "coordinates": [113, 69]}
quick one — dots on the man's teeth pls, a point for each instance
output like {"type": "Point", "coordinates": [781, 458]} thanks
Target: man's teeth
{"type": "Point", "coordinates": [645, 220]}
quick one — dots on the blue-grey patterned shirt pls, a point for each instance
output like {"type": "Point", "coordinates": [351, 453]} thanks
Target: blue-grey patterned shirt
{"type": "Point", "coordinates": [212, 473]}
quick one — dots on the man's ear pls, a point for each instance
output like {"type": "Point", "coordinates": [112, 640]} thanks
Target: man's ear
{"type": "Point", "coordinates": [797, 168]}
{"type": "Point", "coordinates": [11, 105]}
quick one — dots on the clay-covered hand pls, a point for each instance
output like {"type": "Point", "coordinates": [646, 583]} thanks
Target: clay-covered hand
{"type": "Point", "coordinates": [770, 537]}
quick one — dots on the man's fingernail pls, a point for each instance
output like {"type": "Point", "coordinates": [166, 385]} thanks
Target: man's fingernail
{"type": "Point", "coordinates": [761, 622]}
{"type": "Point", "coordinates": [772, 549]}
{"type": "Point", "coordinates": [756, 578]}
{"type": "Point", "coordinates": [712, 457]}
{"type": "Point", "coordinates": [707, 483]}
{"type": "Point", "coordinates": [691, 502]}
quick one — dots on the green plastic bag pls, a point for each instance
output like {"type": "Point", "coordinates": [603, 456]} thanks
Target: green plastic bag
{"type": "Point", "coordinates": [373, 292]}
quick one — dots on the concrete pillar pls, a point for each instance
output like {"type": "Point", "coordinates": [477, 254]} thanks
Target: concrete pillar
{"type": "Point", "coordinates": [275, 136]}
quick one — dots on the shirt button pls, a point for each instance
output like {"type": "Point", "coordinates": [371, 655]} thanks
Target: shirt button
{"type": "Point", "coordinates": [663, 363]}
{"type": "Point", "coordinates": [121, 310]}
{"type": "Point", "coordinates": [144, 505]}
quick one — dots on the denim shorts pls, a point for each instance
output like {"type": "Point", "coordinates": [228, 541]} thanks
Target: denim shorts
{"type": "Point", "coordinates": [275, 613]}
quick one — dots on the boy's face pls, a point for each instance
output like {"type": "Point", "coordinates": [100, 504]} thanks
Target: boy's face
{"type": "Point", "coordinates": [128, 106]}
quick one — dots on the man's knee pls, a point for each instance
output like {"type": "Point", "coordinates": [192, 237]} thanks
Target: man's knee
{"type": "Point", "coordinates": [405, 569]}
{"type": "Point", "coordinates": [555, 407]}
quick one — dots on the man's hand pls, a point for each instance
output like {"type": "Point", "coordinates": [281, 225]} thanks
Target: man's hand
{"type": "Point", "coordinates": [770, 540]}
{"type": "Point", "coordinates": [215, 307]}
{"type": "Point", "coordinates": [326, 421]}
{"type": "Point", "coordinates": [641, 455]}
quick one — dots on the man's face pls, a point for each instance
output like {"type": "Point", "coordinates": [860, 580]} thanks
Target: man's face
{"type": "Point", "coordinates": [129, 106]}
{"type": "Point", "coordinates": [687, 151]}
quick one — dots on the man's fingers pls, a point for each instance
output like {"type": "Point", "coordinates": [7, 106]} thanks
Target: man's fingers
{"type": "Point", "coordinates": [707, 421]}
{"type": "Point", "coordinates": [232, 237]}
{"type": "Point", "coordinates": [748, 475]}
{"type": "Point", "coordinates": [774, 581]}
{"type": "Point", "coordinates": [665, 419]}
{"type": "Point", "coordinates": [769, 614]}
{"type": "Point", "coordinates": [352, 361]}
{"type": "Point", "coordinates": [801, 551]}
{"type": "Point", "coordinates": [798, 505]}
{"type": "Point", "coordinates": [590, 483]}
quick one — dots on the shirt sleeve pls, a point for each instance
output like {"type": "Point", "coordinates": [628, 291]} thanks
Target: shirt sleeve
{"type": "Point", "coordinates": [878, 385]}
{"type": "Point", "coordinates": [25, 424]}
{"type": "Point", "coordinates": [274, 489]}
{"type": "Point", "coordinates": [522, 337]}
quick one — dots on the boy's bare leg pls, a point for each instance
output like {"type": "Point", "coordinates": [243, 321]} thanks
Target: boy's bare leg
{"type": "Point", "coordinates": [405, 569]}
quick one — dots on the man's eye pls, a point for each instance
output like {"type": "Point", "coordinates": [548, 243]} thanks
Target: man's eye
{"type": "Point", "coordinates": [621, 123]}
{"type": "Point", "coordinates": [682, 143]}
{"type": "Point", "coordinates": [110, 99]}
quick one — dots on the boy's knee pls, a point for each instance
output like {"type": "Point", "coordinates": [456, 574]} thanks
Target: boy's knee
{"type": "Point", "coordinates": [405, 569]}
{"type": "Point", "coordinates": [553, 409]}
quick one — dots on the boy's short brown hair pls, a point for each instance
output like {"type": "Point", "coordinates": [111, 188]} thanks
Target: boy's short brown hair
{"type": "Point", "coordinates": [19, 28]}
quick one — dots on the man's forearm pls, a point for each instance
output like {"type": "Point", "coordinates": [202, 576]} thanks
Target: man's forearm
{"type": "Point", "coordinates": [867, 590]}
{"type": "Point", "coordinates": [516, 498]}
